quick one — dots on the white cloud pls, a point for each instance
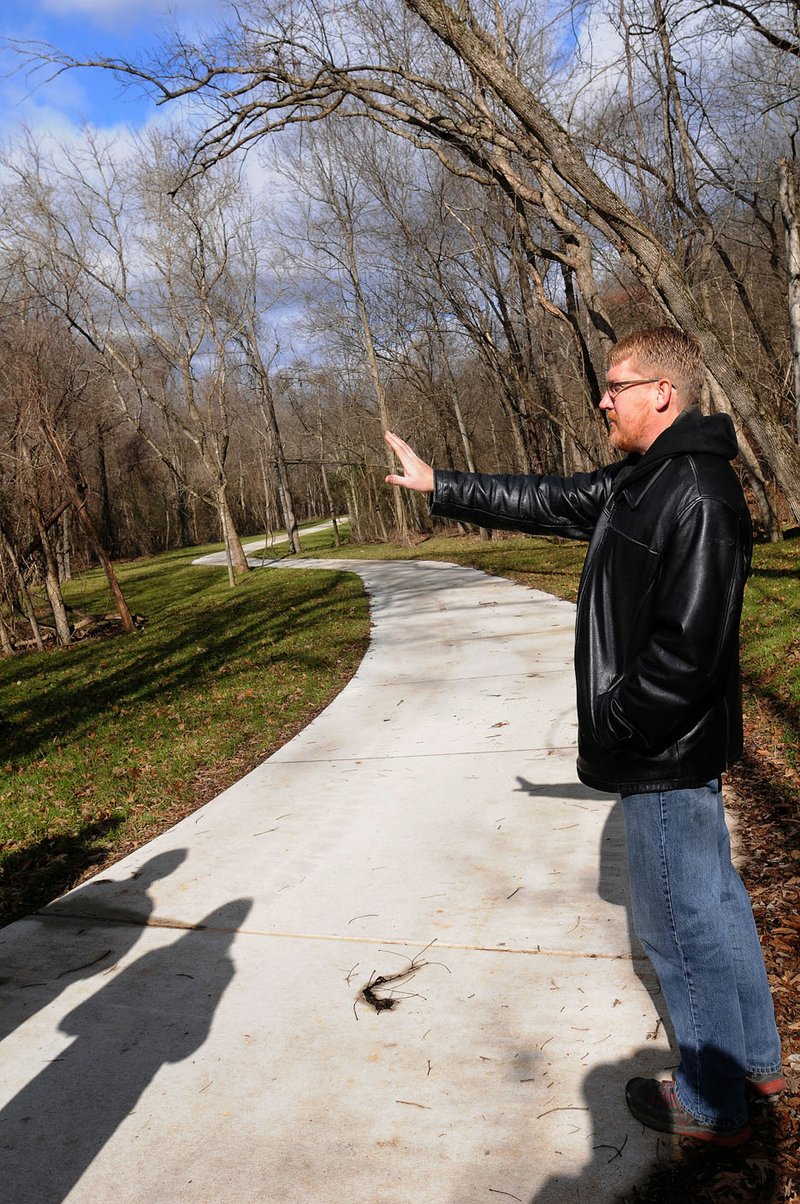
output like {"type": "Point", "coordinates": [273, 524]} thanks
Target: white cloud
{"type": "Point", "coordinates": [594, 70]}
{"type": "Point", "coordinates": [61, 108]}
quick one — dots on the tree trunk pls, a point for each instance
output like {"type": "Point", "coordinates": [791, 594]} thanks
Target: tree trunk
{"type": "Point", "coordinates": [27, 602]}
{"type": "Point", "coordinates": [108, 568]}
{"type": "Point", "coordinates": [227, 543]}
{"type": "Point", "coordinates": [6, 646]}
{"type": "Point", "coordinates": [788, 195]}
{"type": "Point", "coordinates": [373, 500]}
{"type": "Point", "coordinates": [63, 549]}
{"type": "Point", "coordinates": [484, 533]}
{"type": "Point", "coordinates": [269, 525]}
{"type": "Point", "coordinates": [516, 425]}
{"type": "Point", "coordinates": [181, 504]}
{"type": "Point", "coordinates": [766, 510]}
{"type": "Point", "coordinates": [398, 503]}
{"type": "Point", "coordinates": [106, 516]}
{"type": "Point", "coordinates": [79, 502]}
{"type": "Point", "coordinates": [595, 384]}
{"type": "Point", "coordinates": [287, 507]}
{"type": "Point", "coordinates": [331, 509]}
{"type": "Point", "coordinates": [267, 401]}
{"type": "Point", "coordinates": [233, 544]}
{"type": "Point", "coordinates": [355, 512]}
{"type": "Point", "coordinates": [324, 474]}
{"type": "Point", "coordinates": [51, 582]}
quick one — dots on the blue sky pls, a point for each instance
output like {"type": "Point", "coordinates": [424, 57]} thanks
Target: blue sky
{"type": "Point", "coordinates": [114, 28]}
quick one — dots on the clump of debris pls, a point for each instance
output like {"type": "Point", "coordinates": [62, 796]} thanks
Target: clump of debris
{"type": "Point", "coordinates": [83, 627]}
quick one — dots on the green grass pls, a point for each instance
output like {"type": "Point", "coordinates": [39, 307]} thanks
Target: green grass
{"type": "Point", "coordinates": [771, 640]}
{"type": "Point", "coordinates": [106, 742]}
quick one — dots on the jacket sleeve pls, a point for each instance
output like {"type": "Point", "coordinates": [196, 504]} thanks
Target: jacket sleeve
{"type": "Point", "coordinates": [693, 645]}
{"type": "Point", "coordinates": [537, 505]}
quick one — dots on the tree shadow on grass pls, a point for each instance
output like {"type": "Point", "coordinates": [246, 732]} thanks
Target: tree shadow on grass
{"type": "Point", "coordinates": [779, 707]}
{"type": "Point", "coordinates": [158, 667]}
{"type": "Point", "coordinates": [36, 873]}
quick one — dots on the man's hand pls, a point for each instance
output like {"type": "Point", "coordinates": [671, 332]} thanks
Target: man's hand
{"type": "Point", "coordinates": [418, 474]}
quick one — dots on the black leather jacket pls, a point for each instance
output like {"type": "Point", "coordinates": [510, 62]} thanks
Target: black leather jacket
{"type": "Point", "coordinates": [660, 598]}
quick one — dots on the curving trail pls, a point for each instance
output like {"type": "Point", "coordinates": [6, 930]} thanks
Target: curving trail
{"type": "Point", "coordinates": [193, 1021]}
{"type": "Point", "coordinates": [264, 545]}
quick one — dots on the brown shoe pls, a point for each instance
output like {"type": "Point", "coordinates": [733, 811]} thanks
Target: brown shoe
{"type": "Point", "coordinates": [656, 1104]}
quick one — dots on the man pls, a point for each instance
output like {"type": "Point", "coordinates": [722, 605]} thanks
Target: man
{"type": "Point", "coordinates": [658, 694]}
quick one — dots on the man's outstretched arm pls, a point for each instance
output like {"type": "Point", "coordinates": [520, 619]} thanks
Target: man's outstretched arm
{"type": "Point", "coordinates": [537, 505]}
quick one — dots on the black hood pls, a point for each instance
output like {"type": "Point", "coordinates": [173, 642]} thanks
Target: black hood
{"type": "Point", "coordinates": [692, 433]}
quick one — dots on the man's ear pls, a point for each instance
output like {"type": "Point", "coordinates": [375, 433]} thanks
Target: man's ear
{"type": "Point", "coordinates": [666, 393]}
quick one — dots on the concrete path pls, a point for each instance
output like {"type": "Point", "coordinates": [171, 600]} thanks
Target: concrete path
{"type": "Point", "coordinates": [265, 544]}
{"type": "Point", "coordinates": [191, 1025]}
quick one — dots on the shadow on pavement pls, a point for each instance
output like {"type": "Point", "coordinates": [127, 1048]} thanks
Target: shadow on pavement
{"type": "Point", "coordinates": [37, 970]}
{"type": "Point", "coordinates": [612, 885]}
{"type": "Point", "coordinates": [155, 1012]}
{"type": "Point", "coordinates": [612, 882]}
{"type": "Point", "coordinates": [683, 1172]}
{"type": "Point", "coordinates": [680, 1171]}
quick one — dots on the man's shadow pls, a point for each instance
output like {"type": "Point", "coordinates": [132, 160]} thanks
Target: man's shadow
{"type": "Point", "coordinates": [54, 956]}
{"type": "Point", "coordinates": [155, 1012]}
{"type": "Point", "coordinates": [677, 1174]}
{"type": "Point", "coordinates": [667, 1178]}
{"type": "Point", "coordinates": [612, 886]}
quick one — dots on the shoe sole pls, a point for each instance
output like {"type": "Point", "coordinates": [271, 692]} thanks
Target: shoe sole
{"type": "Point", "coordinates": [727, 1142]}
{"type": "Point", "coordinates": [765, 1092]}
{"type": "Point", "coordinates": [741, 1137]}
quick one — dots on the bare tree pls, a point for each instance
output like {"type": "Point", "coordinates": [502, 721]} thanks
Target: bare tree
{"type": "Point", "coordinates": [141, 277]}
{"type": "Point", "coordinates": [791, 221]}
{"type": "Point", "coordinates": [44, 369]}
{"type": "Point", "coordinates": [475, 92]}
{"type": "Point", "coordinates": [339, 235]}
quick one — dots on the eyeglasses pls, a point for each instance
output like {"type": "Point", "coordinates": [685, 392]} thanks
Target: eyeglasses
{"type": "Point", "coordinates": [615, 387]}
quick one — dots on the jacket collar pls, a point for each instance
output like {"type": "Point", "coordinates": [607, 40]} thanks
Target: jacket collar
{"type": "Point", "coordinates": [690, 433]}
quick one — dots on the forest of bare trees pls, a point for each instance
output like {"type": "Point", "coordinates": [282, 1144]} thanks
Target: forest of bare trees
{"type": "Point", "coordinates": [458, 208]}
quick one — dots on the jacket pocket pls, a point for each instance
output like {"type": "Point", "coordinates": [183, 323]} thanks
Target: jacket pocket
{"type": "Point", "coordinates": [611, 731]}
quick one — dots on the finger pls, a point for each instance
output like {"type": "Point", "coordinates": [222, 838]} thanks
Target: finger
{"type": "Point", "coordinates": [397, 444]}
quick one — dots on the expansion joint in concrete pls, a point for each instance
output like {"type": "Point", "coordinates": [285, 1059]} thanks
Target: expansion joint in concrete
{"type": "Point", "coordinates": [536, 753]}
{"type": "Point", "coordinates": [133, 921]}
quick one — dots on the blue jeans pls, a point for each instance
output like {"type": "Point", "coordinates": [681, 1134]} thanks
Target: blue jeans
{"type": "Point", "coordinates": [693, 917]}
